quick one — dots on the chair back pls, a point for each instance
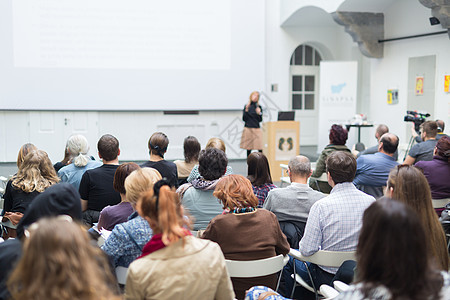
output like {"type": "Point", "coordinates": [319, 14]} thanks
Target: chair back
{"type": "Point", "coordinates": [440, 203]}
{"type": "Point", "coordinates": [121, 274]}
{"type": "Point", "coordinates": [325, 258]}
{"type": "Point", "coordinates": [255, 268]}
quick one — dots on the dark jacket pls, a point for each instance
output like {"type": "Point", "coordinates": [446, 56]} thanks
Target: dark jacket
{"type": "Point", "coordinates": [250, 117]}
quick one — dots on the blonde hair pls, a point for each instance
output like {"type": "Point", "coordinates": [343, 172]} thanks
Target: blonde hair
{"type": "Point", "coordinates": [250, 100]}
{"type": "Point", "coordinates": [235, 191]}
{"type": "Point", "coordinates": [23, 151]}
{"type": "Point", "coordinates": [78, 147]}
{"type": "Point", "coordinates": [411, 187]}
{"type": "Point", "coordinates": [36, 173]}
{"type": "Point", "coordinates": [139, 181]}
{"type": "Point", "coordinates": [68, 265]}
{"type": "Point", "coordinates": [167, 212]}
{"type": "Point", "coordinates": [215, 143]}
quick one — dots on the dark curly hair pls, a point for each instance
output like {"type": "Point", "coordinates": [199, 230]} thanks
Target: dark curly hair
{"type": "Point", "coordinates": [338, 135]}
{"type": "Point", "coordinates": [212, 163]}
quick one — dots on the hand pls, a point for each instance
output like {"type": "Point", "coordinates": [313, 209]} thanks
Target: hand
{"type": "Point", "coordinates": [413, 130]}
{"type": "Point", "coordinates": [258, 110]}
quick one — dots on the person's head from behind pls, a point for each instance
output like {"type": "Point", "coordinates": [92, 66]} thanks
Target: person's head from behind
{"type": "Point", "coordinates": [121, 174]}
{"type": "Point", "coordinates": [443, 148]}
{"type": "Point", "coordinates": [36, 173]}
{"type": "Point", "coordinates": [381, 129]}
{"type": "Point", "coordinates": [212, 163]}
{"type": "Point", "coordinates": [161, 208]}
{"type": "Point", "coordinates": [429, 129]}
{"type": "Point", "coordinates": [258, 169]}
{"type": "Point", "coordinates": [191, 147]}
{"type": "Point", "coordinates": [388, 143]}
{"type": "Point", "coordinates": [338, 135]}
{"type": "Point", "coordinates": [341, 167]}
{"type": "Point", "coordinates": [23, 151]}
{"type": "Point", "coordinates": [441, 125]}
{"type": "Point", "coordinates": [108, 147]}
{"type": "Point", "coordinates": [392, 252]}
{"type": "Point", "coordinates": [69, 266]}
{"type": "Point", "coordinates": [140, 181]}
{"type": "Point", "coordinates": [158, 143]}
{"type": "Point", "coordinates": [78, 147]}
{"type": "Point", "coordinates": [299, 167]}
{"type": "Point", "coordinates": [235, 192]}
{"type": "Point", "coordinates": [216, 143]}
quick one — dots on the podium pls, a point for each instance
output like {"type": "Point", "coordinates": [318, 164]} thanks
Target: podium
{"type": "Point", "coordinates": [281, 142]}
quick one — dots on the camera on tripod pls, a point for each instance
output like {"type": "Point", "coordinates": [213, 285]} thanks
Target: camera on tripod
{"type": "Point", "coordinates": [416, 117]}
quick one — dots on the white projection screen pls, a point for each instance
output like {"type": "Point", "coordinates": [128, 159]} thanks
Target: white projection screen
{"type": "Point", "coordinates": [117, 55]}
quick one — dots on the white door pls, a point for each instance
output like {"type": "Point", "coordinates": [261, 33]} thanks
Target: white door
{"type": "Point", "coordinates": [304, 88]}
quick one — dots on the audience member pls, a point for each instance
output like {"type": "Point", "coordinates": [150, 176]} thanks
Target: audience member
{"type": "Point", "coordinates": [96, 186]}
{"type": "Point", "coordinates": [212, 143]}
{"type": "Point", "coordinates": [174, 264]}
{"type": "Point", "coordinates": [35, 174]}
{"type": "Point", "coordinates": [197, 196]}
{"type": "Point", "coordinates": [110, 216]}
{"type": "Point", "coordinates": [334, 222]}
{"type": "Point", "coordinates": [437, 171]}
{"type": "Point", "coordinates": [440, 131]}
{"type": "Point", "coordinates": [259, 175]}
{"type": "Point", "coordinates": [373, 169]}
{"type": "Point", "coordinates": [64, 162]}
{"type": "Point", "coordinates": [337, 137]}
{"type": "Point", "coordinates": [59, 199]}
{"type": "Point", "coordinates": [157, 145]}
{"type": "Point", "coordinates": [245, 232]}
{"type": "Point", "coordinates": [424, 150]}
{"type": "Point", "coordinates": [80, 162]}
{"type": "Point", "coordinates": [191, 148]}
{"type": "Point", "coordinates": [23, 151]}
{"type": "Point", "coordinates": [409, 185]}
{"type": "Point", "coordinates": [291, 204]}
{"type": "Point", "coordinates": [126, 241]}
{"type": "Point", "coordinates": [393, 257]}
{"type": "Point", "coordinates": [59, 262]}
{"type": "Point", "coordinates": [379, 132]}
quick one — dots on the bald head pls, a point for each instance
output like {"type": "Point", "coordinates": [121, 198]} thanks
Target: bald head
{"type": "Point", "coordinates": [388, 143]}
{"type": "Point", "coordinates": [299, 167]}
{"type": "Point", "coordinates": [381, 129]}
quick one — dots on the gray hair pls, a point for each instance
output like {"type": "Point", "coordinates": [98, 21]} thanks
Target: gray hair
{"type": "Point", "coordinates": [300, 166]}
{"type": "Point", "coordinates": [78, 147]}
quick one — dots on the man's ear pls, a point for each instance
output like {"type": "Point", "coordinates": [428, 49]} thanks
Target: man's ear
{"type": "Point", "coordinates": [99, 155]}
{"type": "Point", "coordinates": [118, 152]}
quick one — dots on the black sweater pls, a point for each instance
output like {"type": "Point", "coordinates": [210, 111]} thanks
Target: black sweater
{"type": "Point", "coordinates": [250, 117]}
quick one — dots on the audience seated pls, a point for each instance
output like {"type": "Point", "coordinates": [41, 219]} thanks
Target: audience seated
{"type": "Point", "coordinates": [23, 151]}
{"type": "Point", "coordinates": [291, 204]}
{"type": "Point", "coordinates": [174, 264]}
{"type": "Point", "coordinates": [409, 185]}
{"type": "Point", "coordinates": [212, 143]}
{"type": "Point", "coordinates": [337, 137]}
{"type": "Point", "coordinates": [393, 257]}
{"type": "Point", "coordinates": [59, 199]}
{"type": "Point", "coordinates": [59, 262]}
{"type": "Point", "coordinates": [245, 232]}
{"type": "Point", "coordinates": [437, 171]}
{"type": "Point", "coordinates": [197, 196]}
{"type": "Point", "coordinates": [127, 239]}
{"type": "Point", "coordinates": [440, 131]}
{"type": "Point", "coordinates": [259, 175]}
{"type": "Point", "coordinates": [424, 150]}
{"type": "Point", "coordinates": [373, 169]}
{"type": "Point", "coordinates": [334, 222]}
{"type": "Point", "coordinates": [35, 174]}
{"type": "Point", "coordinates": [64, 162]}
{"type": "Point", "coordinates": [110, 216]}
{"type": "Point", "coordinates": [96, 186]}
{"type": "Point", "coordinates": [191, 148]}
{"type": "Point", "coordinates": [80, 162]}
{"type": "Point", "coordinates": [157, 145]}
{"type": "Point", "coordinates": [379, 132]}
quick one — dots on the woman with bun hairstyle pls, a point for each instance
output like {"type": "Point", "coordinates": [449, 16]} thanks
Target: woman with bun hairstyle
{"type": "Point", "coordinates": [252, 115]}
{"type": "Point", "coordinates": [157, 145]}
{"type": "Point", "coordinates": [80, 161]}
{"type": "Point", "coordinates": [174, 264]}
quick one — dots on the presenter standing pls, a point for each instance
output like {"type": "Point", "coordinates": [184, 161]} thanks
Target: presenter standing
{"type": "Point", "coordinates": [252, 135]}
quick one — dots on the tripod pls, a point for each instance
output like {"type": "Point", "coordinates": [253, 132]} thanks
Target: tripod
{"type": "Point", "coordinates": [410, 144]}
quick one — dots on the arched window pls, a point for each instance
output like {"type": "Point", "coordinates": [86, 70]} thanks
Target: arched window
{"type": "Point", "coordinates": [305, 55]}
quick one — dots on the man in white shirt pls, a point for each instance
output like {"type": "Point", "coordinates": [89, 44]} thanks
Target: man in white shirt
{"type": "Point", "coordinates": [334, 222]}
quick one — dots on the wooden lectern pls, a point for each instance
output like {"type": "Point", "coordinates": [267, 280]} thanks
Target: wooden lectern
{"type": "Point", "coordinates": [281, 142]}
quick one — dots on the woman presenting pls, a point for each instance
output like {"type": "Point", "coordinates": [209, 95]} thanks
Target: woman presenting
{"type": "Point", "coordinates": [252, 135]}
